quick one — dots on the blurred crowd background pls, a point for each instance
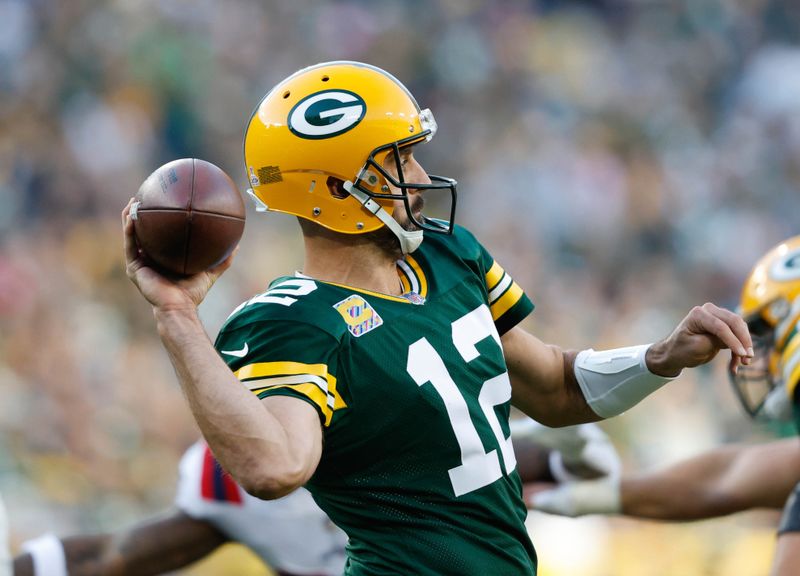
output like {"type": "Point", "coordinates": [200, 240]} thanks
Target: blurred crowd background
{"type": "Point", "coordinates": [623, 159]}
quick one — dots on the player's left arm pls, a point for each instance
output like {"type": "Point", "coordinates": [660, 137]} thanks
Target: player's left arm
{"type": "Point", "coordinates": [558, 387]}
{"type": "Point", "coordinates": [543, 385]}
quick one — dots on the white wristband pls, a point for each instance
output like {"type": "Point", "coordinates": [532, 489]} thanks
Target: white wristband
{"type": "Point", "coordinates": [614, 380]}
{"type": "Point", "coordinates": [48, 555]}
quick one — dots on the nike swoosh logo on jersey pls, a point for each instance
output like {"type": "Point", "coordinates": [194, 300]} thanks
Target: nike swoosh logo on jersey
{"type": "Point", "coordinates": [241, 353]}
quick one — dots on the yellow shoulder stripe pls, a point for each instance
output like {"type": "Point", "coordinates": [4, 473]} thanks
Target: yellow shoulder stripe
{"type": "Point", "coordinates": [262, 369]}
{"type": "Point", "coordinates": [328, 402]}
{"type": "Point", "coordinates": [310, 391]}
{"type": "Point", "coordinates": [506, 301]}
{"type": "Point", "coordinates": [311, 380]}
{"type": "Point", "coordinates": [494, 275]}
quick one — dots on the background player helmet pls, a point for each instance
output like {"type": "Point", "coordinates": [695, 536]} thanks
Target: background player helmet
{"type": "Point", "coordinates": [338, 120]}
{"type": "Point", "coordinates": [770, 304]}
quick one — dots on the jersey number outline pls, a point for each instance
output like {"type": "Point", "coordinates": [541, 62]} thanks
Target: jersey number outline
{"type": "Point", "coordinates": [281, 293]}
{"type": "Point", "coordinates": [478, 468]}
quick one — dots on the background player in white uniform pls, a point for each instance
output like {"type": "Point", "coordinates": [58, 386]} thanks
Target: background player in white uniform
{"type": "Point", "coordinates": [291, 534]}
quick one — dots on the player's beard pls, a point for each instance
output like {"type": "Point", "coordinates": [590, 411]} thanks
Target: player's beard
{"type": "Point", "coordinates": [386, 240]}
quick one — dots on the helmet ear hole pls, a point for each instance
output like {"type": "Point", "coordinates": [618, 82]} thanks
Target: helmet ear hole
{"type": "Point", "coordinates": [336, 188]}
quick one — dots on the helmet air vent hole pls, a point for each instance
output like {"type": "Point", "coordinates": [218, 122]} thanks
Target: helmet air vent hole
{"type": "Point", "coordinates": [287, 94]}
{"type": "Point", "coordinates": [325, 78]}
{"type": "Point", "coordinates": [313, 185]}
{"type": "Point", "coordinates": [336, 188]}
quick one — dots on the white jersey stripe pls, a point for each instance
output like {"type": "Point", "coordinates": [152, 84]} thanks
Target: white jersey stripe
{"type": "Point", "coordinates": [412, 278]}
{"type": "Point", "coordinates": [284, 380]}
{"type": "Point", "coordinates": [500, 288]}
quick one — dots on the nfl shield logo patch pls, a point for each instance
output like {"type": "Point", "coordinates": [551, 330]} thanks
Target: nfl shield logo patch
{"type": "Point", "coordinates": [358, 314]}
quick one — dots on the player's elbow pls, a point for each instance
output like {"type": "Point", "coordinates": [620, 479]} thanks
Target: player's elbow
{"type": "Point", "coordinates": [269, 483]}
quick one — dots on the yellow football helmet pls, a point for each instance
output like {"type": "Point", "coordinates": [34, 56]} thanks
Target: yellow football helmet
{"type": "Point", "coordinates": [770, 304]}
{"type": "Point", "coordinates": [336, 122]}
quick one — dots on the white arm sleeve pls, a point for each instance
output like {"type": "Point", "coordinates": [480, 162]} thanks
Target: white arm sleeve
{"type": "Point", "coordinates": [614, 380]}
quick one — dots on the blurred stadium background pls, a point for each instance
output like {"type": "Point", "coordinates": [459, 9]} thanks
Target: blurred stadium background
{"type": "Point", "coordinates": [623, 159]}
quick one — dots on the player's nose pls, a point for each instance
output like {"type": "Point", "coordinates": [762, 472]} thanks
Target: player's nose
{"type": "Point", "coordinates": [417, 174]}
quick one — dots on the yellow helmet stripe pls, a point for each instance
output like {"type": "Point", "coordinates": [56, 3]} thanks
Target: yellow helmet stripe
{"type": "Point", "coordinates": [787, 336]}
{"type": "Point", "coordinates": [791, 364]}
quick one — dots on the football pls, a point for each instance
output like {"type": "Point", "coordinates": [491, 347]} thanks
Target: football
{"type": "Point", "coordinates": [188, 216]}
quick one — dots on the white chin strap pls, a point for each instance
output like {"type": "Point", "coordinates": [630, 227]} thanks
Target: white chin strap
{"type": "Point", "coordinates": [409, 241]}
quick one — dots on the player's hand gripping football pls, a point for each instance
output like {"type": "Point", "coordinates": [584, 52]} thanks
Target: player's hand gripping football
{"type": "Point", "coordinates": [704, 331]}
{"type": "Point", "coordinates": [161, 291]}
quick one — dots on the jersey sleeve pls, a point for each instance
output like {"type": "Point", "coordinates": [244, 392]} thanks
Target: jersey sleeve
{"type": "Point", "coordinates": [507, 300]}
{"type": "Point", "coordinates": [284, 358]}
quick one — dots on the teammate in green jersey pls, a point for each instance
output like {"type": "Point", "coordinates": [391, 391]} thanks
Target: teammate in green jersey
{"type": "Point", "coordinates": [383, 375]}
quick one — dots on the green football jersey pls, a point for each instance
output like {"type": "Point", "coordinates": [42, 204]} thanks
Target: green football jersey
{"type": "Point", "coordinates": [413, 395]}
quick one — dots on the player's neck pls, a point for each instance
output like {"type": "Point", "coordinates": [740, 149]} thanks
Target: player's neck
{"type": "Point", "coordinates": [358, 264]}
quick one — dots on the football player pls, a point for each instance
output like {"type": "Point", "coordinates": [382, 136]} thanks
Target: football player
{"type": "Point", "coordinates": [731, 478]}
{"type": "Point", "coordinates": [404, 355]}
{"type": "Point", "coordinates": [291, 534]}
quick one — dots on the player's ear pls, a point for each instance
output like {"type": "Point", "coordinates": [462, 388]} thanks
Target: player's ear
{"type": "Point", "coordinates": [336, 187]}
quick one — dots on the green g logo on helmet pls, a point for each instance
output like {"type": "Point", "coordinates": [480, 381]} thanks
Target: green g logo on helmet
{"type": "Point", "coordinates": [327, 113]}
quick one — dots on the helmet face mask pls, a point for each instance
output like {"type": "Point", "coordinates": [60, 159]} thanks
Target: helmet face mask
{"type": "Point", "coordinates": [340, 120]}
{"type": "Point", "coordinates": [394, 151]}
{"type": "Point", "coordinates": [770, 302]}
{"type": "Point", "coordinates": [754, 382]}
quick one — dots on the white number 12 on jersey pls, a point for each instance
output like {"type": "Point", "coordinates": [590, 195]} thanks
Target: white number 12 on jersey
{"type": "Point", "coordinates": [478, 468]}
